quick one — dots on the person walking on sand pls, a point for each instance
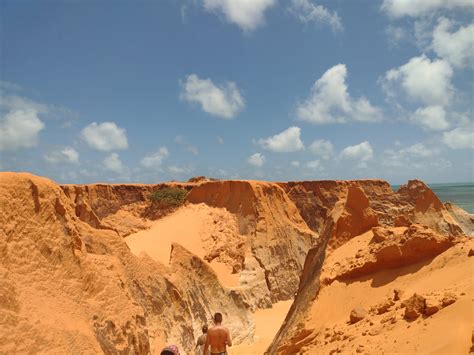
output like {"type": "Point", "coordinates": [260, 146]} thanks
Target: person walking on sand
{"type": "Point", "coordinates": [199, 350]}
{"type": "Point", "coordinates": [218, 337]}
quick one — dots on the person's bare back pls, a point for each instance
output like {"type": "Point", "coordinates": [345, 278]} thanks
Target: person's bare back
{"type": "Point", "coordinates": [218, 337]}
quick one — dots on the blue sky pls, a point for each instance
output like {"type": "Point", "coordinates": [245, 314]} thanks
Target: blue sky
{"type": "Point", "coordinates": [158, 90]}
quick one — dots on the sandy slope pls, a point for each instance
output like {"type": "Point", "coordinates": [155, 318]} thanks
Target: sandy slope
{"type": "Point", "coordinates": [448, 331]}
{"type": "Point", "coordinates": [385, 328]}
{"type": "Point", "coordinates": [193, 226]}
{"type": "Point", "coordinates": [267, 322]}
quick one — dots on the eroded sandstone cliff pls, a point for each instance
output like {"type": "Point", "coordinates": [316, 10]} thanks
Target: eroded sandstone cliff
{"type": "Point", "coordinates": [70, 283]}
{"type": "Point", "coordinates": [360, 260]}
{"type": "Point", "coordinates": [68, 287]}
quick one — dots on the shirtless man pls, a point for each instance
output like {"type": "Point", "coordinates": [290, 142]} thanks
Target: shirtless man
{"type": "Point", "coordinates": [218, 337]}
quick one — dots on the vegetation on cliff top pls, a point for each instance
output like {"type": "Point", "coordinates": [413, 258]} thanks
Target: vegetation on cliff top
{"type": "Point", "coordinates": [169, 196]}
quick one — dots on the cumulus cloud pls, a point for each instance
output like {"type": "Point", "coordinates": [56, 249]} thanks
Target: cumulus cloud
{"type": "Point", "coordinates": [65, 155]}
{"type": "Point", "coordinates": [329, 101]}
{"type": "Point", "coordinates": [422, 80]}
{"type": "Point", "coordinates": [411, 156]}
{"type": "Point", "coordinates": [20, 128]}
{"type": "Point", "coordinates": [154, 160]}
{"type": "Point", "coordinates": [224, 101]}
{"type": "Point", "coordinates": [456, 47]}
{"type": "Point", "coordinates": [417, 8]}
{"type": "Point", "coordinates": [362, 152]}
{"type": "Point", "coordinates": [105, 136]}
{"type": "Point", "coordinates": [113, 164]}
{"type": "Point", "coordinates": [287, 141]}
{"type": "Point", "coordinates": [247, 14]}
{"type": "Point", "coordinates": [431, 117]}
{"type": "Point", "coordinates": [322, 148]}
{"type": "Point", "coordinates": [20, 123]}
{"type": "Point", "coordinates": [18, 103]}
{"type": "Point", "coordinates": [256, 159]}
{"type": "Point", "coordinates": [307, 12]}
{"type": "Point", "coordinates": [295, 163]}
{"type": "Point", "coordinates": [460, 138]}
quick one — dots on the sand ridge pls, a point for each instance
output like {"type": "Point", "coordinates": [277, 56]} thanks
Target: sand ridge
{"type": "Point", "coordinates": [381, 300]}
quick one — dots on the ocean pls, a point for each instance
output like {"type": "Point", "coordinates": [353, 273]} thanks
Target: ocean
{"type": "Point", "coordinates": [461, 194]}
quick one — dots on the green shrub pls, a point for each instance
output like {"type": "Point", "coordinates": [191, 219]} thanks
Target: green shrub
{"type": "Point", "coordinates": [170, 196]}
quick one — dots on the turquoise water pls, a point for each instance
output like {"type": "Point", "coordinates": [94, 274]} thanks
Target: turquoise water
{"type": "Point", "coordinates": [462, 194]}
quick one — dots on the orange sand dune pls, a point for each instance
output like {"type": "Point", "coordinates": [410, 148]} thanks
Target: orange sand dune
{"type": "Point", "coordinates": [189, 226]}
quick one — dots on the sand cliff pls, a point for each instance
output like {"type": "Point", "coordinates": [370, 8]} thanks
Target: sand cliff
{"type": "Point", "coordinates": [99, 268]}
{"type": "Point", "coordinates": [378, 289]}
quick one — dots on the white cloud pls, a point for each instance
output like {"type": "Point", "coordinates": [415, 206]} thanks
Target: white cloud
{"type": "Point", "coordinates": [431, 117]}
{"type": "Point", "coordinates": [460, 138]}
{"type": "Point", "coordinates": [423, 32]}
{"type": "Point", "coordinates": [306, 12]}
{"type": "Point", "coordinates": [363, 111]}
{"type": "Point", "coordinates": [422, 80]}
{"type": "Point", "coordinates": [8, 86]}
{"type": "Point", "coordinates": [113, 163]}
{"type": "Point", "coordinates": [322, 148]}
{"type": "Point", "coordinates": [105, 136]}
{"type": "Point", "coordinates": [287, 141]}
{"type": "Point", "coordinates": [417, 150]}
{"type": "Point", "coordinates": [154, 160]}
{"type": "Point", "coordinates": [224, 101]}
{"type": "Point", "coordinates": [295, 163]}
{"type": "Point", "coordinates": [256, 159]}
{"type": "Point", "coordinates": [65, 155]}
{"type": "Point", "coordinates": [416, 8]}
{"type": "Point", "coordinates": [396, 35]}
{"type": "Point", "coordinates": [20, 128]}
{"type": "Point", "coordinates": [414, 156]}
{"type": "Point", "coordinates": [220, 140]}
{"type": "Point", "coordinates": [20, 124]}
{"type": "Point", "coordinates": [247, 14]}
{"type": "Point", "coordinates": [456, 47]}
{"type": "Point", "coordinates": [362, 152]}
{"type": "Point", "coordinates": [329, 101]}
{"type": "Point", "coordinates": [18, 103]}
{"type": "Point", "coordinates": [315, 165]}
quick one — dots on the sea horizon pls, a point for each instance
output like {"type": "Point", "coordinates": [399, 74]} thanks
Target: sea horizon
{"type": "Point", "coordinates": [459, 193]}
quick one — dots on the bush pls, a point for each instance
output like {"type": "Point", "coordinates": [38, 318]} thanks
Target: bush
{"type": "Point", "coordinates": [170, 196]}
